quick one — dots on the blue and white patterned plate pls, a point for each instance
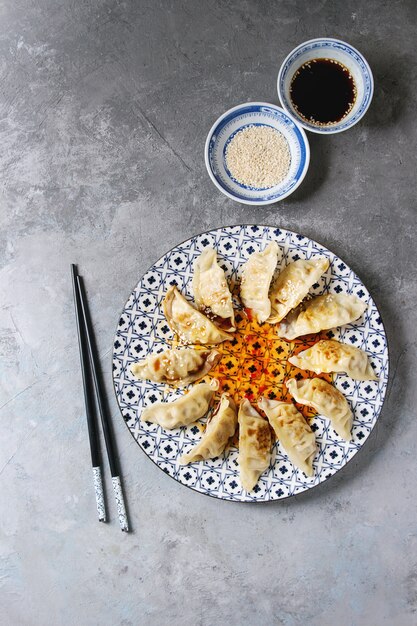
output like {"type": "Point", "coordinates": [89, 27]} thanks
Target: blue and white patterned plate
{"type": "Point", "coordinates": [142, 329]}
{"type": "Point", "coordinates": [261, 114]}
{"type": "Point", "coordinates": [330, 49]}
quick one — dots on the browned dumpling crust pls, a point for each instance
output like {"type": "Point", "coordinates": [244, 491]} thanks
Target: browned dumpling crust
{"type": "Point", "coordinates": [254, 445]}
{"type": "Point", "coordinates": [211, 291]}
{"type": "Point", "coordinates": [256, 279]}
{"type": "Point", "coordinates": [329, 355]}
{"type": "Point", "coordinates": [191, 326]}
{"type": "Point", "coordinates": [220, 427]}
{"type": "Point", "coordinates": [326, 400]}
{"type": "Point", "coordinates": [321, 313]}
{"type": "Point", "coordinates": [293, 284]}
{"type": "Point", "coordinates": [293, 432]}
{"type": "Point", "coordinates": [183, 411]}
{"type": "Point", "coordinates": [176, 367]}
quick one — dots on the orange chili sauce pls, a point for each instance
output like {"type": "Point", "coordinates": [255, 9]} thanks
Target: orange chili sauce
{"type": "Point", "coordinates": [255, 363]}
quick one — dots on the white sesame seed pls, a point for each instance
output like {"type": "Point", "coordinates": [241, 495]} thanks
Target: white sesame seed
{"type": "Point", "coordinates": [258, 156]}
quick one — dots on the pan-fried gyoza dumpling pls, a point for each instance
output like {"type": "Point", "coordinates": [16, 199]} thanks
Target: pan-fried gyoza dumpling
{"type": "Point", "coordinates": [187, 409]}
{"type": "Point", "coordinates": [254, 445]}
{"type": "Point", "coordinates": [326, 400]}
{"type": "Point", "coordinates": [321, 313]}
{"type": "Point", "coordinates": [220, 428]}
{"type": "Point", "coordinates": [294, 433]}
{"type": "Point", "coordinates": [293, 284]}
{"type": "Point", "coordinates": [256, 279]}
{"type": "Point", "coordinates": [176, 367]}
{"type": "Point", "coordinates": [329, 355]}
{"type": "Point", "coordinates": [211, 291]}
{"type": "Point", "coordinates": [190, 325]}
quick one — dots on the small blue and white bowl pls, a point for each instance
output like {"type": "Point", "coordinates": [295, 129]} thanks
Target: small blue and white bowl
{"type": "Point", "coordinates": [351, 58]}
{"type": "Point", "coordinates": [238, 118]}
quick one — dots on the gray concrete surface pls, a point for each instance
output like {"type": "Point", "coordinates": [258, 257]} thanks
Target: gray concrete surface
{"type": "Point", "coordinates": [105, 107]}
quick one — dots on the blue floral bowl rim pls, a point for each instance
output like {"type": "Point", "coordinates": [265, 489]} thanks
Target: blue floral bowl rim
{"type": "Point", "coordinates": [328, 130]}
{"type": "Point", "coordinates": [257, 202]}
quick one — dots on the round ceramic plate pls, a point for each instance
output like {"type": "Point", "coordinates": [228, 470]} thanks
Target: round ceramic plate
{"type": "Point", "coordinates": [142, 329]}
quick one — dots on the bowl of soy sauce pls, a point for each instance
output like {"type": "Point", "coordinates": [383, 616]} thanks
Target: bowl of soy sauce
{"type": "Point", "coordinates": [326, 85]}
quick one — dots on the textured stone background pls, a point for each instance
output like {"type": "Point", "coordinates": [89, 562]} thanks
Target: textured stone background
{"type": "Point", "coordinates": [105, 107]}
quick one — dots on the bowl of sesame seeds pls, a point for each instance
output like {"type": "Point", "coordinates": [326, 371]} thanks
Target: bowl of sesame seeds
{"type": "Point", "coordinates": [256, 154]}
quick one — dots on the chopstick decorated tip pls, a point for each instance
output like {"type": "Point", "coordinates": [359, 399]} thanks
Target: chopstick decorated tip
{"type": "Point", "coordinates": [89, 406]}
{"type": "Point", "coordinates": [105, 420]}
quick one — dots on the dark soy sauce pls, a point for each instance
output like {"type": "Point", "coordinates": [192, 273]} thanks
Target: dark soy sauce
{"type": "Point", "coordinates": [323, 91]}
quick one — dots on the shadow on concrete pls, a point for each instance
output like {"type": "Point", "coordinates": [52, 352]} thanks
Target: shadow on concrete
{"type": "Point", "coordinates": [391, 89]}
{"type": "Point", "coordinates": [319, 164]}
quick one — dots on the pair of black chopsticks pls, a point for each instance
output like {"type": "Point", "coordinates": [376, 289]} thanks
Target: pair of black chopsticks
{"type": "Point", "coordinates": [89, 373]}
